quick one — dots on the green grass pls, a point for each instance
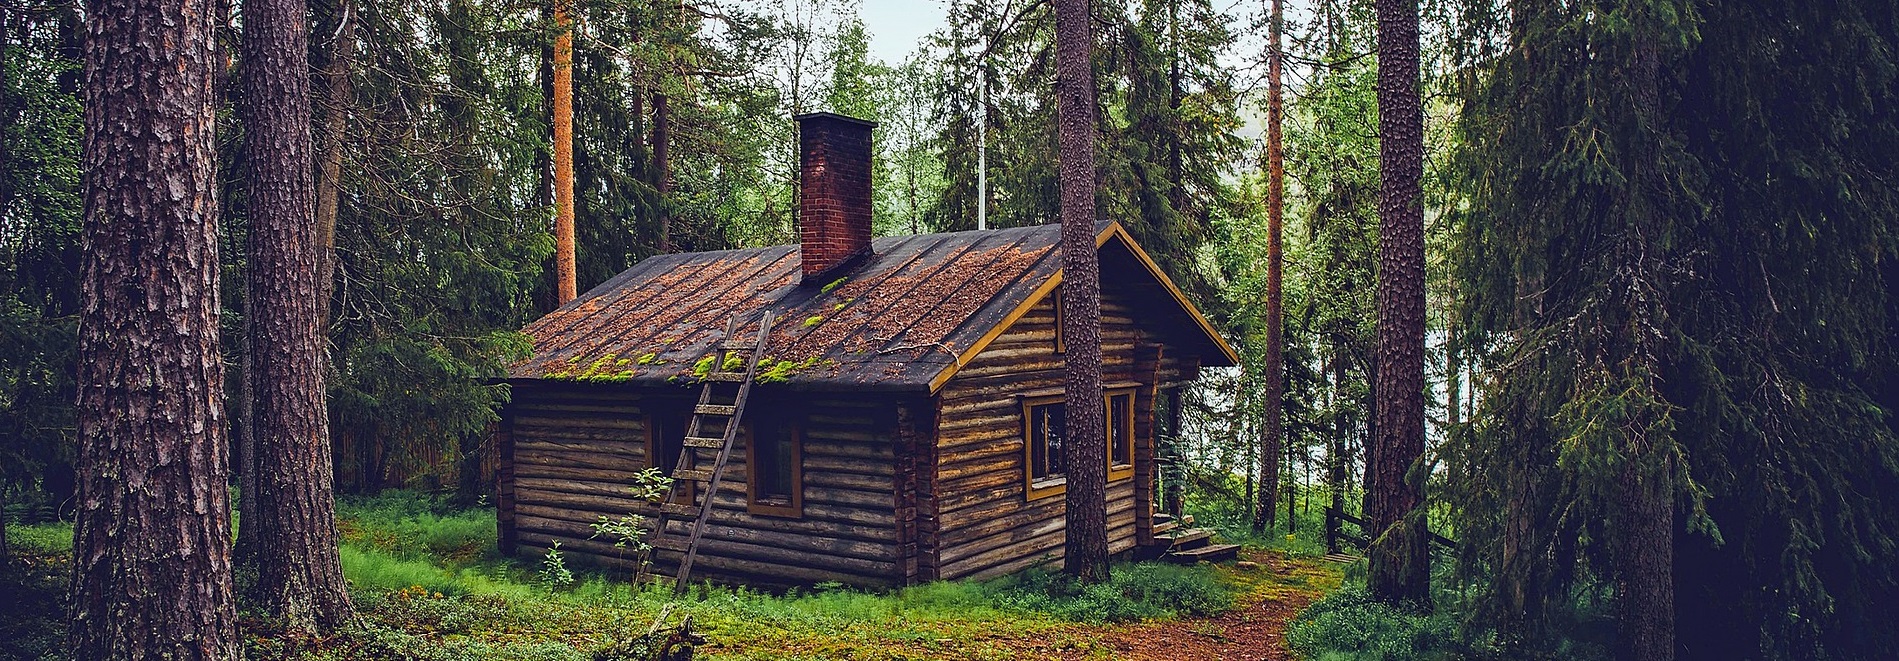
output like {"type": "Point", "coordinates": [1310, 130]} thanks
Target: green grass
{"type": "Point", "coordinates": [41, 538]}
{"type": "Point", "coordinates": [430, 586]}
{"type": "Point", "coordinates": [419, 567]}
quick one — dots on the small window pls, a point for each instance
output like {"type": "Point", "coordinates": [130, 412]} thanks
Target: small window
{"type": "Point", "coordinates": [1120, 435]}
{"type": "Point", "coordinates": [775, 458]}
{"type": "Point", "coordinates": [665, 440]}
{"type": "Point", "coordinates": [1045, 425]}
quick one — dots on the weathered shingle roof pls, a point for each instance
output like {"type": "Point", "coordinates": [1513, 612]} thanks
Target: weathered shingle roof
{"type": "Point", "coordinates": [898, 321]}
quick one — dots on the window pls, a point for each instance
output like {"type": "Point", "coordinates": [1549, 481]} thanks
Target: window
{"type": "Point", "coordinates": [665, 439]}
{"type": "Point", "coordinates": [1045, 424]}
{"type": "Point", "coordinates": [1120, 435]}
{"type": "Point", "coordinates": [1045, 427]}
{"type": "Point", "coordinates": [774, 458]}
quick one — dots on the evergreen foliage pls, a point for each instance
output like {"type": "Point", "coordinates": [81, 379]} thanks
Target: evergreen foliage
{"type": "Point", "coordinates": [1694, 290]}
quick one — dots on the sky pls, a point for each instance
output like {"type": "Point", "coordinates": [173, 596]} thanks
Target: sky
{"type": "Point", "coordinates": [896, 26]}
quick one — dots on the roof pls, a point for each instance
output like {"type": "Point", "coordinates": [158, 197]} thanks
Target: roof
{"type": "Point", "coordinates": [907, 318]}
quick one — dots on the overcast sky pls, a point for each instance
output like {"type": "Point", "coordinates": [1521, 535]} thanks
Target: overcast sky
{"type": "Point", "coordinates": [896, 26]}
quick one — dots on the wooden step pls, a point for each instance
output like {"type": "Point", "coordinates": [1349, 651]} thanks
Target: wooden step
{"type": "Point", "coordinates": [693, 474]}
{"type": "Point", "coordinates": [1208, 553]}
{"type": "Point", "coordinates": [727, 377]}
{"type": "Point", "coordinates": [676, 509]}
{"type": "Point", "coordinates": [715, 409]}
{"type": "Point", "coordinates": [1191, 538]}
{"type": "Point", "coordinates": [703, 442]}
{"type": "Point", "coordinates": [1162, 527]}
{"type": "Point", "coordinates": [1342, 558]}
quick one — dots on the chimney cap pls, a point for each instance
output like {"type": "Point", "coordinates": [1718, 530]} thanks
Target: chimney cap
{"type": "Point", "coordinates": [831, 115]}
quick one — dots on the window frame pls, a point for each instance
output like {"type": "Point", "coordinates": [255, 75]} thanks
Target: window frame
{"type": "Point", "coordinates": [753, 504]}
{"type": "Point", "coordinates": [1118, 472]}
{"type": "Point", "coordinates": [1048, 486]}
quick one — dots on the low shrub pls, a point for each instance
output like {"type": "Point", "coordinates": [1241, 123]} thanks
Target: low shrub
{"type": "Point", "coordinates": [1349, 625]}
{"type": "Point", "coordinates": [1134, 592]}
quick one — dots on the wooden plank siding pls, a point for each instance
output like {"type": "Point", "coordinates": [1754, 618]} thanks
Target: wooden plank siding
{"type": "Point", "coordinates": [572, 449]}
{"type": "Point", "coordinates": [987, 525]}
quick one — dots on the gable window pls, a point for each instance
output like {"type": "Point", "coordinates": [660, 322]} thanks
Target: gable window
{"type": "Point", "coordinates": [1120, 434]}
{"type": "Point", "coordinates": [1045, 425]}
{"type": "Point", "coordinates": [774, 458]}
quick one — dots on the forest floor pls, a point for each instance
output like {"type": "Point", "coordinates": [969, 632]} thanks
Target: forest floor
{"type": "Point", "coordinates": [429, 587]}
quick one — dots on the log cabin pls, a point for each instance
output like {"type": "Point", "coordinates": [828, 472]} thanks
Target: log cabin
{"type": "Point", "coordinates": [906, 423]}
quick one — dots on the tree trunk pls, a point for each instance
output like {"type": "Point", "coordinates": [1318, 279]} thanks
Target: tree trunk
{"type": "Point", "coordinates": [662, 169]}
{"type": "Point", "coordinates": [565, 286]}
{"type": "Point", "coordinates": [152, 542]}
{"type": "Point", "coordinates": [1399, 559]}
{"type": "Point", "coordinates": [1275, 378]}
{"type": "Point", "coordinates": [1085, 450]}
{"type": "Point", "coordinates": [1644, 549]}
{"type": "Point", "coordinates": [337, 94]}
{"type": "Point", "coordinates": [299, 577]}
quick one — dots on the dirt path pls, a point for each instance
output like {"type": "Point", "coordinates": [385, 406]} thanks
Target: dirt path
{"type": "Point", "coordinates": [1254, 632]}
{"type": "Point", "coordinates": [1277, 589]}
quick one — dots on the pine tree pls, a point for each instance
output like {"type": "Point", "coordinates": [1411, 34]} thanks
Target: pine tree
{"type": "Point", "coordinates": [152, 541]}
{"type": "Point", "coordinates": [1085, 448]}
{"type": "Point", "coordinates": [294, 537]}
{"type": "Point", "coordinates": [1394, 485]}
{"type": "Point", "coordinates": [1275, 376]}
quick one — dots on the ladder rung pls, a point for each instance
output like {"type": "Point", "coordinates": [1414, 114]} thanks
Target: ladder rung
{"type": "Point", "coordinates": [735, 345]}
{"type": "Point", "coordinates": [728, 377]}
{"type": "Point", "coordinates": [676, 509]}
{"type": "Point", "coordinates": [715, 409]}
{"type": "Point", "coordinates": [703, 442]}
{"type": "Point", "coordinates": [693, 474]}
{"type": "Point", "coordinates": [669, 543]}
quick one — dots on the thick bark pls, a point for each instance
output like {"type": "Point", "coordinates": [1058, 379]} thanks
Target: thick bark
{"type": "Point", "coordinates": [662, 169]}
{"type": "Point", "coordinates": [299, 577]}
{"type": "Point", "coordinates": [1399, 560]}
{"type": "Point", "coordinates": [565, 287]}
{"type": "Point", "coordinates": [337, 93]}
{"type": "Point", "coordinates": [152, 541]}
{"type": "Point", "coordinates": [1275, 377]}
{"type": "Point", "coordinates": [1085, 450]}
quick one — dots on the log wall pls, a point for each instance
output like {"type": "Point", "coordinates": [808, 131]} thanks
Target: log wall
{"type": "Point", "coordinates": [987, 525]}
{"type": "Point", "coordinates": [572, 447]}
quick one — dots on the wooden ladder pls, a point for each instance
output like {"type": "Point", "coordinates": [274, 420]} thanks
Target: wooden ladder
{"type": "Point", "coordinates": [722, 401]}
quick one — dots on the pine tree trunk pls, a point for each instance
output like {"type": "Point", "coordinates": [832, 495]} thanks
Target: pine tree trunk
{"type": "Point", "coordinates": [152, 542]}
{"type": "Point", "coordinates": [662, 169]}
{"type": "Point", "coordinates": [1085, 450]}
{"type": "Point", "coordinates": [565, 285]}
{"type": "Point", "coordinates": [337, 94]}
{"type": "Point", "coordinates": [1275, 377]}
{"type": "Point", "coordinates": [1644, 548]}
{"type": "Point", "coordinates": [299, 577]}
{"type": "Point", "coordinates": [1399, 559]}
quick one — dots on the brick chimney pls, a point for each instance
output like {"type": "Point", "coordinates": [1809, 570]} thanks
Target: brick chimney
{"type": "Point", "coordinates": [834, 199]}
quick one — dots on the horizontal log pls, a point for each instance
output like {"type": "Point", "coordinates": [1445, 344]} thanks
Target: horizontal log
{"type": "Point", "coordinates": [864, 467]}
{"type": "Point", "coordinates": [599, 460]}
{"type": "Point", "coordinates": [833, 446]}
{"type": "Point", "coordinates": [635, 423]}
{"type": "Point", "coordinates": [630, 449]}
